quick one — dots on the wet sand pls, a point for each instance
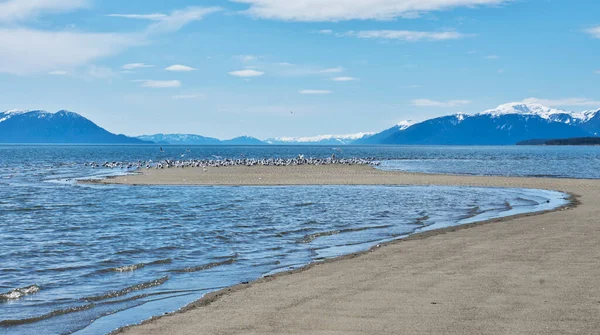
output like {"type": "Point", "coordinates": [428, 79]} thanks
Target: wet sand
{"type": "Point", "coordinates": [529, 274]}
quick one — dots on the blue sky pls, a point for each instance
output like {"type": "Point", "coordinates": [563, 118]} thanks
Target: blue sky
{"type": "Point", "coordinates": [241, 67]}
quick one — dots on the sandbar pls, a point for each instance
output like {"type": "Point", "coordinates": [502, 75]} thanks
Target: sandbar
{"type": "Point", "coordinates": [528, 274]}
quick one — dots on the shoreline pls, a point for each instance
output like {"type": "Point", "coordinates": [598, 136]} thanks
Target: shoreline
{"type": "Point", "coordinates": [226, 301]}
{"type": "Point", "coordinates": [572, 203]}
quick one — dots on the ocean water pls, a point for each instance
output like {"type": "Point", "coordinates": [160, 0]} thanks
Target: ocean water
{"type": "Point", "coordinates": [88, 259]}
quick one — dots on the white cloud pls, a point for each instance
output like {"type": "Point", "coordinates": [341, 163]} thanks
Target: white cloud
{"type": "Point", "coordinates": [159, 83]}
{"type": "Point", "coordinates": [315, 92]}
{"type": "Point", "coordinates": [20, 10]}
{"type": "Point", "coordinates": [325, 31]}
{"type": "Point", "coordinates": [172, 22]}
{"type": "Point", "coordinates": [333, 70]}
{"type": "Point", "coordinates": [246, 73]}
{"type": "Point", "coordinates": [492, 57]}
{"type": "Point", "coordinates": [563, 102]}
{"type": "Point", "coordinates": [26, 51]}
{"type": "Point", "coordinates": [179, 18]}
{"type": "Point", "coordinates": [180, 68]}
{"type": "Point", "coordinates": [153, 17]}
{"type": "Point", "coordinates": [132, 66]}
{"type": "Point", "coordinates": [188, 96]}
{"type": "Point", "coordinates": [58, 73]}
{"type": "Point", "coordinates": [246, 58]}
{"type": "Point", "coordinates": [406, 35]}
{"type": "Point", "coordinates": [433, 103]}
{"type": "Point", "coordinates": [340, 10]}
{"type": "Point", "coordinates": [344, 79]}
{"type": "Point", "coordinates": [594, 31]}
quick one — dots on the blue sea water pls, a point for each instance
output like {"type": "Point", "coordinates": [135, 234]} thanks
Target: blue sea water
{"type": "Point", "coordinates": [89, 259]}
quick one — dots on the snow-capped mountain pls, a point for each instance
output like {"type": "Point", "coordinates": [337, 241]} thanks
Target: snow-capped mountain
{"type": "Point", "coordinates": [191, 139]}
{"type": "Point", "coordinates": [37, 126]}
{"type": "Point", "coordinates": [507, 124]}
{"type": "Point", "coordinates": [318, 140]}
{"type": "Point", "coordinates": [182, 139]}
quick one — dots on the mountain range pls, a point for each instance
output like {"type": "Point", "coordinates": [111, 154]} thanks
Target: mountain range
{"type": "Point", "coordinates": [505, 125]}
{"type": "Point", "coordinates": [20, 126]}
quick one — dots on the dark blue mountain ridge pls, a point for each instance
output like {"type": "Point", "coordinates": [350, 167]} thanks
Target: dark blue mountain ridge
{"type": "Point", "coordinates": [180, 139]}
{"type": "Point", "coordinates": [504, 125]}
{"type": "Point", "coordinates": [38, 126]}
{"type": "Point", "coordinates": [191, 139]}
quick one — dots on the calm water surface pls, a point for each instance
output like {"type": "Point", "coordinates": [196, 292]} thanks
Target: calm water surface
{"type": "Point", "coordinates": [89, 259]}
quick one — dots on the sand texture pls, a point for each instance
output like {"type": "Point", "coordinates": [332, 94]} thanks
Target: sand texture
{"type": "Point", "coordinates": [530, 274]}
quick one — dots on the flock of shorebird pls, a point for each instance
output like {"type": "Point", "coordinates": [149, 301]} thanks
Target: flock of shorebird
{"type": "Point", "coordinates": [205, 163]}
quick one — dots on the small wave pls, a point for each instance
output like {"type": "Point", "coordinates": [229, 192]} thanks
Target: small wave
{"type": "Point", "coordinates": [129, 289]}
{"type": "Point", "coordinates": [304, 204]}
{"type": "Point", "coordinates": [312, 237]}
{"type": "Point", "coordinates": [130, 252]}
{"type": "Point", "coordinates": [311, 222]}
{"type": "Point", "coordinates": [421, 221]}
{"type": "Point", "coordinates": [528, 202]}
{"type": "Point", "coordinates": [473, 212]}
{"type": "Point", "coordinates": [18, 293]}
{"type": "Point", "coordinates": [133, 267]}
{"type": "Point", "coordinates": [58, 312]}
{"type": "Point", "coordinates": [383, 214]}
{"type": "Point", "coordinates": [204, 266]}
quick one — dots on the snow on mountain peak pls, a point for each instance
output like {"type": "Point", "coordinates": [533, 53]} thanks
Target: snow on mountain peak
{"type": "Point", "coordinates": [402, 125]}
{"type": "Point", "coordinates": [342, 139]}
{"type": "Point", "coordinates": [523, 109]}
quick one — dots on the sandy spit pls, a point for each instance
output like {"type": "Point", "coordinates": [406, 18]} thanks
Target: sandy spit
{"type": "Point", "coordinates": [529, 274]}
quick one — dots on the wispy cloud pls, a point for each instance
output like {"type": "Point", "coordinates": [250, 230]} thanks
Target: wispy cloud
{"type": "Point", "coordinates": [433, 103]}
{"type": "Point", "coordinates": [406, 35]}
{"type": "Point", "coordinates": [179, 18]}
{"type": "Point", "coordinates": [58, 73]}
{"type": "Point", "coordinates": [21, 10]}
{"type": "Point", "coordinates": [133, 66]}
{"type": "Point", "coordinates": [564, 102]}
{"type": "Point", "coordinates": [325, 31]}
{"type": "Point", "coordinates": [340, 10]}
{"type": "Point", "coordinates": [246, 58]}
{"type": "Point", "coordinates": [158, 83]}
{"type": "Point", "coordinates": [180, 68]}
{"type": "Point", "coordinates": [344, 79]}
{"type": "Point", "coordinates": [492, 57]}
{"type": "Point", "coordinates": [27, 51]}
{"type": "Point", "coordinates": [316, 92]}
{"type": "Point", "coordinates": [166, 23]}
{"type": "Point", "coordinates": [593, 31]}
{"type": "Point", "coordinates": [333, 70]}
{"type": "Point", "coordinates": [246, 73]}
{"type": "Point", "coordinates": [153, 17]}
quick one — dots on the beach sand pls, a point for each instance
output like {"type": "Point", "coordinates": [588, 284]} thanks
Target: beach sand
{"type": "Point", "coordinates": [530, 274]}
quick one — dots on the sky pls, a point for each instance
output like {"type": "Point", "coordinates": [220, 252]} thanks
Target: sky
{"type": "Point", "coordinates": [272, 68]}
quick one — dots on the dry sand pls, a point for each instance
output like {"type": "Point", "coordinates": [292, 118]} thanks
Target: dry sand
{"type": "Point", "coordinates": [531, 274]}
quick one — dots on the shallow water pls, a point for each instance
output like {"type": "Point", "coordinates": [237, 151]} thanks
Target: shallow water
{"type": "Point", "coordinates": [89, 259]}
